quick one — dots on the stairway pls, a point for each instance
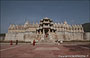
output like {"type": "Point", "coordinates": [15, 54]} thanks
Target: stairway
{"type": "Point", "coordinates": [46, 39]}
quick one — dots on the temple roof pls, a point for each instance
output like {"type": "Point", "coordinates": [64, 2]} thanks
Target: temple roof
{"type": "Point", "coordinates": [46, 18]}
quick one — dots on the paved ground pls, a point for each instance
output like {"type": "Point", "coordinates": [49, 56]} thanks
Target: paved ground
{"type": "Point", "coordinates": [71, 50]}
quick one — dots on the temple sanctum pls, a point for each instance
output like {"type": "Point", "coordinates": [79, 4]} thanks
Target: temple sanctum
{"type": "Point", "coordinates": [45, 31]}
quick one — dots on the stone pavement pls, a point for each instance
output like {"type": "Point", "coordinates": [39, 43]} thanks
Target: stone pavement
{"type": "Point", "coordinates": [45, 51]}
{"type": "Point", "coordinates": [47, 48]}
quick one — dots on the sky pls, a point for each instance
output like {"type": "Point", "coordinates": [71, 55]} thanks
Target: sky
{"type": "Point", "coordinates": [17, 12]}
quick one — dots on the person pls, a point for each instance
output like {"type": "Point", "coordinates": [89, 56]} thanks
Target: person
{"type": "Point", "coordinates": [34, 42]}
{"type": "Point", "coordinates": [16, 42]}
{"type": "Point", "coordinates": [11, 43]}
{"type": "Point", "coordinates": [61, 41]}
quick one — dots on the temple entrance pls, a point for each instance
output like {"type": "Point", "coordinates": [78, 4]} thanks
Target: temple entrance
{"type": "Point", "coordinates": [46, 31]}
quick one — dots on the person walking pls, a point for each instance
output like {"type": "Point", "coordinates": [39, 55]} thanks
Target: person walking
{"type": "Point", "coordinates": [34, 42]}
{"type": "Point", "coordinates": [11, 43]}
{"type": "Point", "coordinates": [16, 42]}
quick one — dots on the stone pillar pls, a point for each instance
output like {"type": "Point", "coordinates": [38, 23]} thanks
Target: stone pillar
{"type": "Point", "coordinates": [40, 31]}
{"type": "Point", "coordinates": [49, 31]}
{"type": "Point", "coordinates": [36, 32]}
{"type": "Point", "coordinates": [43, 34]}
{"type": "Point", "coordinates": [52, 31]}
{"type": "Point", "coordinates": [43, 31]}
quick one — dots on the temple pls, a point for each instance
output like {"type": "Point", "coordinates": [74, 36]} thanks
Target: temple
{"type": "Point", "coordinates": [45, 31]}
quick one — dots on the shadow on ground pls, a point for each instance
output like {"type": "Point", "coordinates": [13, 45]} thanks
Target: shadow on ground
{"type": "Point", "coordinates": [78, 47]}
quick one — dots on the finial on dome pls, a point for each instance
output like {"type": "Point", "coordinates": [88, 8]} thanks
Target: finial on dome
{"type": "Point", "coordinates": [65, 22]}
{"type": "Point", "coordinates": [46, 18]}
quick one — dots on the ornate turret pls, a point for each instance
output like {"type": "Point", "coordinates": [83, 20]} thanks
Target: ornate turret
{"type": "Point", "coordinates": [65, 22]}
{"type": "Point", "coordinates": [11, 27]}
{"type": "Point", "coordinates": [27, 23]}
{"type": "Point", "coordinates": [46, 18]}
{"type": "Point", "coordinates": [46, 25]}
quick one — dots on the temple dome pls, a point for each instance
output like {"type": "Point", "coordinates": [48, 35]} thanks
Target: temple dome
{"type": "Point", "coordinates": [65, 22]}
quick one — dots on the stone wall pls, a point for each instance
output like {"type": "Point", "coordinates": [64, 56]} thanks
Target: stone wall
{"type": "Point", "coordinates": [29, 37]}
{"type": "Point", "coordinates": [86, 36]}
{"type": "Point", "coordinates": [14, 36]}
{"type": "Point", "coordinates": [76, 36]}
{"type": "Point", "coordinates": [65, 36]}
{"type": "Point", "coordinates": [68, 36]}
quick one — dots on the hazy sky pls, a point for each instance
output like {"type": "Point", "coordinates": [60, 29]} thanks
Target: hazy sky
{"type": "Point", "coordinates": [16, 12]}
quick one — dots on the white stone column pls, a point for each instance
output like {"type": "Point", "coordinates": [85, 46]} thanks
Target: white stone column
{"type": "Point", "coordinates": [49, 31]}
{"type": "Point", "coordinates": [52, 31]}
{"type": "Point", "coordinates": [43, 31]}
{"type": "Point", "coordinates": [36, 32]}
{"type": "Point", "coordinates": [40, 31]}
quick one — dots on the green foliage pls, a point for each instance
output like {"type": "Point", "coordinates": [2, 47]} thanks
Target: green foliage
{"type": "Point", "coordinates": [86, 27]}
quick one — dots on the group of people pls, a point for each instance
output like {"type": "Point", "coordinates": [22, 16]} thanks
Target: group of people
{"type": "Point", "coordinates": [11, 42]}
{"type": "Point", "coordinates": [59, 42]}
{"type": "Point", "coordinates": [34, 42]}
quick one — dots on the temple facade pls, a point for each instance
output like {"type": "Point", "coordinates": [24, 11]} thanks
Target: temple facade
{"type": "Point", "coordinates": [45, 31]}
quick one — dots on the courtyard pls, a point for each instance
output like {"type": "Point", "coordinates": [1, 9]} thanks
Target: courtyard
{"type": "Point", "coordinates": [27, 50]}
